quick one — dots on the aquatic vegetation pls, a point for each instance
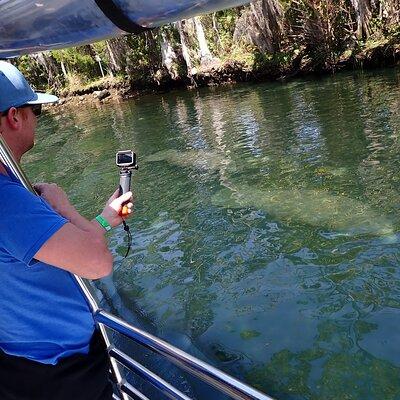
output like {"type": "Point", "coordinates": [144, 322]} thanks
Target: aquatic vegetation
{"type": "Point", "coordinates": [344, 376]}
{"type": "Point", "coordinates": [249, 334]}
{"type": "Point", "coordinates": [331, 172]}
{"type": "Point", "coordinates": [311, 207]}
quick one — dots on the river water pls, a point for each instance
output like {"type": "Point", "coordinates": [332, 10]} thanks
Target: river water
{"type": "Point", "coordinates": [266, 227]}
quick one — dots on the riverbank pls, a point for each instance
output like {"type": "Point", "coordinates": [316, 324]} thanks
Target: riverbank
{"type": "Point", "coordinates": [281, 67]}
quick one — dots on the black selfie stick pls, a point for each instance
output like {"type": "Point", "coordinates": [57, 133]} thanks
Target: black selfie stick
{"type": "Point", "coordinates": [124, 181]}
{"type": "Point", "coordinates": [126, 161]}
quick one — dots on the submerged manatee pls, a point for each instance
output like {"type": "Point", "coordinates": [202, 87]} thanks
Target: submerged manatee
{"type": "Point", "coordinates": [199, 159]}
{"type": "Point", "coordinates": [311, 207]}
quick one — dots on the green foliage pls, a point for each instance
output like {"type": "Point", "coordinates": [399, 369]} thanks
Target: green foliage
{"type": "Point", "coordinates": [316, 35]}
{"type": "Point", "coordinates": [394, 32]}
{"type": "Point", "coordinates": [32, 71]}
{"type": "Point", "coordinates": [321, 28]}
{"type": "Point", "coordinates": [78, 60]}
{"type": "Point", "coordinates": [100, 48]}
{"type": "Point", "coordinates": [272, 63]}
{"type": "Point", "coordinates": [144, 56]}
{"type": "Point", "coordinates": [226, 21]}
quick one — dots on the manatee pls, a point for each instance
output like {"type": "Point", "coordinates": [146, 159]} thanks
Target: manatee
{"type": "Point", "coordinates": [312, 207]}
{"type": "Point", "coordinates": [198, 159]}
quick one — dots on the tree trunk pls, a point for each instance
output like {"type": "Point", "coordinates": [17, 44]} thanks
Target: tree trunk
{"type": "Point", "coordinates": [64, 70]}
{"type": "Point", "coordinates": [185, 49]}
{"type": "Point", "coordinates": [273, 13]}
{"type": "Point", "coordinates": [204, 51]}
{"type": "Point", "coordinates": [168, 55]}
{"type": "Point", "coordinates": [153, 50]}
{"type": "Point", "coordinates": [216, 31]}
{"type": "Point", "coordinates": [113, 63]}
{"type": "Point", "coordinates": [363, 14]}
{"type": "Point", "coordinates": [262, 25]}
{"type": "Point", "coordinates": [117, 49]}
{"type": "Point", "coordinates": [46, 61]}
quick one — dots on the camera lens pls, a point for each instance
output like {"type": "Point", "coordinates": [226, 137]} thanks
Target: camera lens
{"type": "Point", "coordinates": [124, 159]}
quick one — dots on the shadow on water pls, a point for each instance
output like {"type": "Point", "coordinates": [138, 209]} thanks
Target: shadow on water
{"type": "Point", "coordinates": [265, 231]}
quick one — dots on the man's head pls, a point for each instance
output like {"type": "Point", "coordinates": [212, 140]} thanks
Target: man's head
{"type": "Point", "coordinates": [19, 107]}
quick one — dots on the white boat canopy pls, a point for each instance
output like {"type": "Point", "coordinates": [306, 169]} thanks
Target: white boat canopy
{"type": "Point", "coordinates": [29, 26]}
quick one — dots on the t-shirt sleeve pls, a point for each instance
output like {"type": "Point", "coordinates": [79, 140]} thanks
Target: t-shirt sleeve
{"type": "Point", "coordinates": [26, 221]}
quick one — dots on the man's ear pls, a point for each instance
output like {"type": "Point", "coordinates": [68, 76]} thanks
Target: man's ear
{"type": "Point", "coordinates": [13, 118]}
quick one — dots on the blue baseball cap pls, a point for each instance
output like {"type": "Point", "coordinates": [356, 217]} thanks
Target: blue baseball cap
{"type": "Point", "coordinates": [15, 90]}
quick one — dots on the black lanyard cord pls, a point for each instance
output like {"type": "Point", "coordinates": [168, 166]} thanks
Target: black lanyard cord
{"type": "Point", "coordinates": [128, 233]}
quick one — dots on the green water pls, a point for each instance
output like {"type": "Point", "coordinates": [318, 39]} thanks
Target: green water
{"type": "Point", "coordinates": [266, 226]}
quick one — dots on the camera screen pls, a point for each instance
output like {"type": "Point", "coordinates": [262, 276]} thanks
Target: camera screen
{"type": "Point", "coordinates": [124, 158]}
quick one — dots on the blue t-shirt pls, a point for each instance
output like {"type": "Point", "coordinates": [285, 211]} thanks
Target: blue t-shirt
{"type": "Point", "coordinates": [43, 314]}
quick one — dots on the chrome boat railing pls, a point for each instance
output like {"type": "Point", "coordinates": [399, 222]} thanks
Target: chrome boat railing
{"type": "Point", "coordinates": [201, 370]}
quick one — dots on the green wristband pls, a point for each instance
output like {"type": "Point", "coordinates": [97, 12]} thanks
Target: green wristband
{"type": "Point", "coordinates": [103, 222]}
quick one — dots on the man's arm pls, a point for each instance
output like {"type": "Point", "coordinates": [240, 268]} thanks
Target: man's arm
{"type": "Point", "coordinates": [77, 251]}
{"type": "Point", "coordinates": [80, 246]}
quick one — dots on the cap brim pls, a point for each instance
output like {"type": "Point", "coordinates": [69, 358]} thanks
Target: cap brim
{"type": "Point", "coordinates": [43, 98]}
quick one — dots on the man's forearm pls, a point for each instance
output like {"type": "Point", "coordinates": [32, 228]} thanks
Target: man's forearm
{"type": "Point", "coordinates": [112, 212]}
{"type": "Point", "coordinates": [82, 223]}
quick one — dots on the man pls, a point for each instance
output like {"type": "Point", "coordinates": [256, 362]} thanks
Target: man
{"type": "Point", "coordinates": [49, 346]}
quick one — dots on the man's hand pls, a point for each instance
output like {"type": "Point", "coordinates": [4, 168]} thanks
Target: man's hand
{"type": "Point", "coordinates": [57, 199]}
{"type": "Point", "coordinates": [118, 208]}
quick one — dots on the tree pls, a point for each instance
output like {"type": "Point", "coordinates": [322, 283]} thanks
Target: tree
{"type": "Point", "coordinates": [262, 25]}
{"type": "Point", "coordinates": [321, 30]}
{"type": "Point", "coordinates": [180, 25]}
{"type": "Point", "coordinates": [51, 68]}
{"type": "Point", "coordinates": [204, 52]}
{"type": "Point", "coordinates": [169, 58]}
{"type": "Point", "coordinates": [117, 50]}
{"type": "Point", "coordinates": [42, 70]}
{"type": "Point", "coordinates": [362, 9]}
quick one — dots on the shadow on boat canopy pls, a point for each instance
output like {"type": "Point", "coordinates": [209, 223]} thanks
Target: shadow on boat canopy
{"type": "Point", "coordinates": [29, 26]}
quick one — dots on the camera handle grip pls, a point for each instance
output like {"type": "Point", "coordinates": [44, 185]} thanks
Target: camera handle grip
{"type": "Point", "coordinates": [124, 186]}
{"type": "Point", "coordinates": [124, 181]}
